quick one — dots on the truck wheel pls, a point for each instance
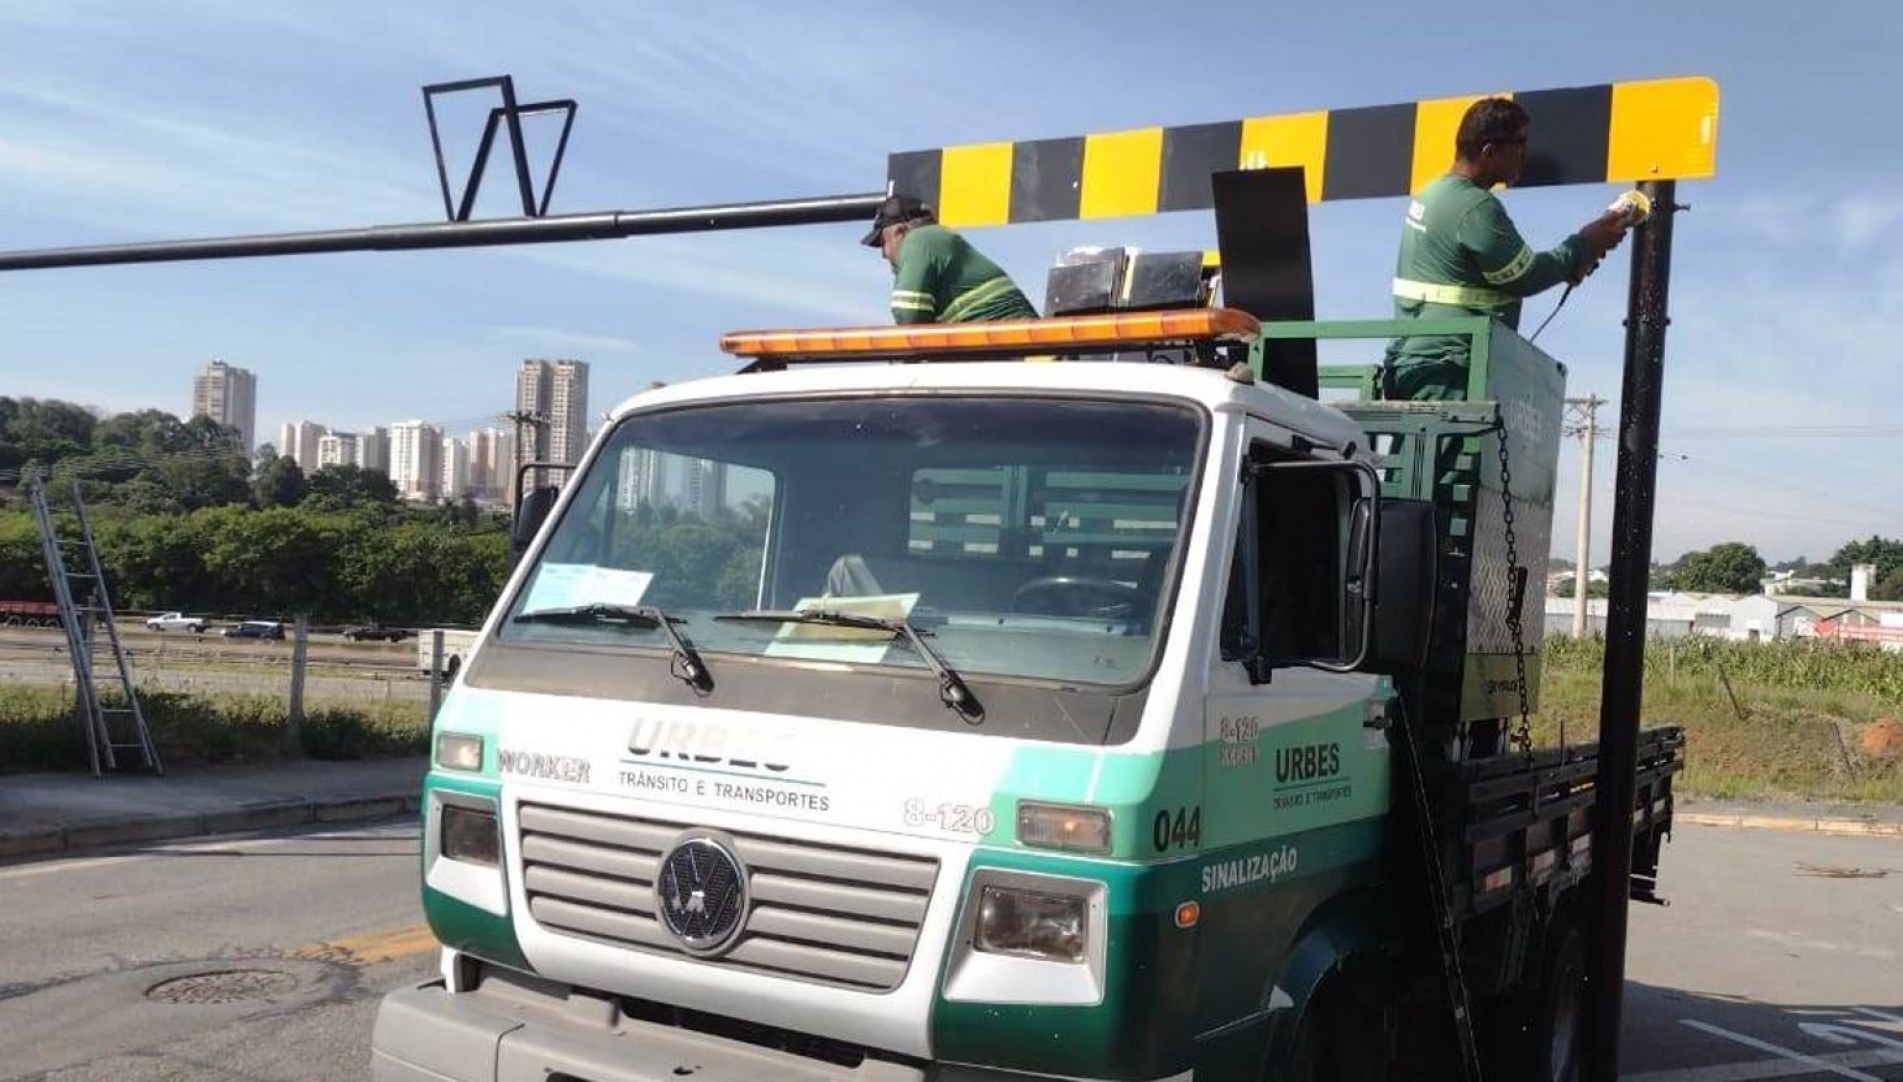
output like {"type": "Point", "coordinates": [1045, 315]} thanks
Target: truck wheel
{"type": "Point", "coordinates": [453, 666]}
{"type": "Point", "coordinates": [1341, 1039]}
{"type": "Point", "coordinates": [1553, 1039]}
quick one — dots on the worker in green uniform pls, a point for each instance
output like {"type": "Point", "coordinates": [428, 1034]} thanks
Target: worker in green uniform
{"type": "Point", "coordinates": [1461, 256]}
{"type": "Point", "coordinates": [938, 276]}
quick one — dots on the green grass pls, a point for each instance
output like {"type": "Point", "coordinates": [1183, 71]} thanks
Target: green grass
{"type": "Point", "coordinates": [37, 730]}
{"type": "Point", "coordinates": [1792, 734]}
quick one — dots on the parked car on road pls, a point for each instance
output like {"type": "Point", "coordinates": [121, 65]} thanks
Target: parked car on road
{"type": "Point", "coordinates": [176, 621]}
{"type": "Point", "coordinates": [256, 629]}
{"type": "Point", "coordinates": [376, 632]}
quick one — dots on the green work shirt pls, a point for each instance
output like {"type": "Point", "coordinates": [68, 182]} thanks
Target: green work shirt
{"type": "Point", "coordinates": [943, 279]}
{"type": "Point", "coordinates": [1461, 256]}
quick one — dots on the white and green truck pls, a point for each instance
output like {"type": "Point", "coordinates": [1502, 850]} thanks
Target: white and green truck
{"type": "Point", "coordinates": [981, 719]}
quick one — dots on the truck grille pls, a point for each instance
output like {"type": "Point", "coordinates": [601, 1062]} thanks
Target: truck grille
{"type": "Point", "coordinates": [847, 917]}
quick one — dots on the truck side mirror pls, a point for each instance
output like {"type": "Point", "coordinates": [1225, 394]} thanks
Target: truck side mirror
{"type": "Point", "coordinates": [1407, 565]}
{"type": "Point", "coordinates": [530, 515]}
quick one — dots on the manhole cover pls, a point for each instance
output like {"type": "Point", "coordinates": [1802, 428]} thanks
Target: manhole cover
{"type": "Point", "coordinates": [222, 986]}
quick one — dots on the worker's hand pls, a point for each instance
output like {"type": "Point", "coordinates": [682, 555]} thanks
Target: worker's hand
{"type": "Point", "coordinates": [1604, 233]}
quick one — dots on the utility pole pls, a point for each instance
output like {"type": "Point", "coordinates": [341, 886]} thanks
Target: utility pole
{"type": "Point", "coordinates": [1583, 421]}
{"type": "Point", "coordinates": [537, 423]}
{"type": "Point", "coordinates": [1609, 888]}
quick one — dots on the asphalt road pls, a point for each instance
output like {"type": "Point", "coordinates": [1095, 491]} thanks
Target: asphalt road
{"type": "Point", "coordinates": [183, 645]}
{"type": "Point", "coordinates": [105, 958]}
{"type": "Point", "coordinates": [183, 662]}
{"type": "Point", "coordinates": [1782, 951]}
{"type": "Point", "coordinates": [1779, 958]}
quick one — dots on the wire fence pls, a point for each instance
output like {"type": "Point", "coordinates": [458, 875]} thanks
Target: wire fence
{"type": "Point", "coordinates": [329, 668]}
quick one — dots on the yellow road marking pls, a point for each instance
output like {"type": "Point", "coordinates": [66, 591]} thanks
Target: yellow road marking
{"type": "Point", "coordinates": [373, 947]}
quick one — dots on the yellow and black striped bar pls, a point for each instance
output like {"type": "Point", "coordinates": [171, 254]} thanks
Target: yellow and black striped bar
{"type": "Point", "coordinates": [1663, 129]}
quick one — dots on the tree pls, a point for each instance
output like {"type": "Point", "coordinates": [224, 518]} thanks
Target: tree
{"type": "Point", "coordinates": [147, 432]}
{"type": "Point", "coordinates": [349, 486]}
{"type": "Point", "coordinates": [22, 567]}
{"type": "Point", "coordinates": [1889, 587]}
{"type": "Point", "coordinates": [1563, 587]}
{"type": "Point", "coordinates": [1728, 568]}
{"type": "Point", "coordinates": [1884, 552]}
{"type": "Point", "coordinates": [43, 431]}
{"type": "Point", "coordinates": [280, 483]}
{"type": "Point", "coordinates": [210, 478]}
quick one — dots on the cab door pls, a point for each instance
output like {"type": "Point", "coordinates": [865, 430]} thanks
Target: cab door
{"type": "Point", "coordinates": [1295, 779]}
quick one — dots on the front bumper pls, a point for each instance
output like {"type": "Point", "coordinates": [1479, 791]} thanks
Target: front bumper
{"type": "Point", "coordinates": [527, 1030]}
{"type": "Point", "coordinates": [517, 1032]}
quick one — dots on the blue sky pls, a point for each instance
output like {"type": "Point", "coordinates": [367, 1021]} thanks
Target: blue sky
{"type": "Point", "coordinates": [129, 121]}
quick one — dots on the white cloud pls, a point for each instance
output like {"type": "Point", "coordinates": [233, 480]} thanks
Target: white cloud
{"type": "Point", "coordinates": [824, 280]}
{"type": "Point", "coordinates": [559, 340]}
{"type": "Point", "coordinates": [129, 164]}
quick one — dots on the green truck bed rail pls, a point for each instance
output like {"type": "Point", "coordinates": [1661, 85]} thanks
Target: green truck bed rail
{"type": "Point", "coordinates": [1450, 453]}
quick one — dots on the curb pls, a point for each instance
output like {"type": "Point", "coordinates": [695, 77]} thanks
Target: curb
{"type": "Point", "coordinates": [1869, 828]}
{"type": "Point", "coordinates": [267, 816]}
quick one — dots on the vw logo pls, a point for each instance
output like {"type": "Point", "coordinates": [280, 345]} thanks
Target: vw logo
{"type": "Point", "coordinates": [701, 895]}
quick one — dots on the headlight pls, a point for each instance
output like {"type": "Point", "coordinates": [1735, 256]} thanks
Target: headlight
{"type": "Point", "coordinates": [471, 836]}
{"type": "Point", "coordinates": [1054, 826]}
{"type": "Point", "coordinates": [1031, 924]}
{"type": "Point", "coordinates": [459, 751]}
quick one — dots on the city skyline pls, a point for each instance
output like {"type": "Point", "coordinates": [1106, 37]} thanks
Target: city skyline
{"type": "Point", "coordinates": [478, 465]}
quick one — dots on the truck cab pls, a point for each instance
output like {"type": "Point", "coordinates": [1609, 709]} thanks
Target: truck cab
{"type": "Point", "coordinates": [977, 717]}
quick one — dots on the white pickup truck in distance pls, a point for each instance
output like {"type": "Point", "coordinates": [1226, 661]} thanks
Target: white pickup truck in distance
{"type": "Point", "coordinates": [176, 621]}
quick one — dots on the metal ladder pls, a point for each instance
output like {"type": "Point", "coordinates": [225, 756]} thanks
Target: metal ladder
{"type": "Point", "coordinates": [78, 613]}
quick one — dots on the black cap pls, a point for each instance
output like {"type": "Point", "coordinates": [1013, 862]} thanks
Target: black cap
{"type": "Point", "coordinates": [895, 209]}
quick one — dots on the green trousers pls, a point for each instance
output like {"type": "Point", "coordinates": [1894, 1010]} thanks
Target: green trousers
{"type": "Point", "coordinates": [1443, 380]}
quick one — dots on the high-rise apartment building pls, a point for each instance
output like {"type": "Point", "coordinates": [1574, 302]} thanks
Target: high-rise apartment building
{"type": "Point", "coordinates": [554, 395]}
{"type": "Point", "coordinates": [703, 488]}
{"type": "Point", "coordinates": [642, 478]}
{"type": "Point", "coordinates": [568, 402]}
{"type": "Point", "coordinates": [491, 462]}
{"type": "Point", "coordinates": [229, 395]}
{"type": "Point", "coordinates": [336, 449]}
{"type": "Point", "coordinates": [373, 450]}
{"type": "Point", "coordinates": [297, 440]}
{"type": "Point", "coordinates": [416, 460]}
{"type": "Point", "coordinates": [456, 483]}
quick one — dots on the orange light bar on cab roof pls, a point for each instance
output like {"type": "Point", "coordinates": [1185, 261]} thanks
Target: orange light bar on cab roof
{"type": "Point", "coordinates": [1105, 331]}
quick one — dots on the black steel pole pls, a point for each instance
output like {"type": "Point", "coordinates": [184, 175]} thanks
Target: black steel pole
{"type": "Point", "coordinates": [385, 238]}
{"type": "Point", "coordinates": [1625, 630]}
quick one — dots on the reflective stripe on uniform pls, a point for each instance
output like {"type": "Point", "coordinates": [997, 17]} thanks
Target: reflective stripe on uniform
{"type": "Point", "coordinates": [1515, 267]}
{"type": "Point", "coordinates": [1460, 296]}
{"type": "Point", "coordinates": [975, 296]}
{"type": "Point", "coordinates": [910, 305]}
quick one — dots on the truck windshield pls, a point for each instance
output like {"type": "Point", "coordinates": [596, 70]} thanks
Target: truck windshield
{"type": "Point", "coordinates": [1029, 538]}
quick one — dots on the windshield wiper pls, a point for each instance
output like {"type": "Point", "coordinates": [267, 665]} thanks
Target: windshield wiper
{"type": "Point", "coordinates": [685, 664]}
{"type": "Point", "coordinates": [952, 690]}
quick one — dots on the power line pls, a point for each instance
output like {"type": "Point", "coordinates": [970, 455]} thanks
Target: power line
{"type": "Point", "coordinates": [1789, 432]}
{"type": "Point", "coordinates": [1758, 476]}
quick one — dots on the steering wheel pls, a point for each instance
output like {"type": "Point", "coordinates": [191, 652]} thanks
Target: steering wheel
{"type": "Point", "coordinates": [1071, 595]}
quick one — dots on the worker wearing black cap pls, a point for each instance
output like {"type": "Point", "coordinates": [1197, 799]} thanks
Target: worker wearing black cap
{"type": "Point", "coordinates": [938, 276]}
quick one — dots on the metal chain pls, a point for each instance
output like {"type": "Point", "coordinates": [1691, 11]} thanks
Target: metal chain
{"type": "Point", "coordinates": [1522, 736]}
